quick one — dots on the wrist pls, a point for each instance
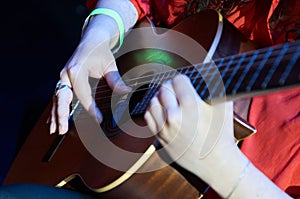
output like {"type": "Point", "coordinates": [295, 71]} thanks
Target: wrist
{"type": "Point", "coordinates": [252, 183]}
{"type": "Point", "coordinates": [224, 176]}
{"type": "Point", "coordinates": [116, 17]}
{"type": "Point", "coordinates": [95, 33]}
{"type": "Point", "coordinates": [125, 9]}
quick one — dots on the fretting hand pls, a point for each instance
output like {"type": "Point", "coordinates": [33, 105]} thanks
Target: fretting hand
{"type": "Point", "coordinates": [200, 138]}
{"type": "Point", "coordinates": [185, 125]}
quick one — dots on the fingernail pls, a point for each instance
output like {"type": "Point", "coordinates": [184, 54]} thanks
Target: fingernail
{"type": "Point", "coordinates": [52, 128]}
{"type": "Point", "coordinates": [63, 130]}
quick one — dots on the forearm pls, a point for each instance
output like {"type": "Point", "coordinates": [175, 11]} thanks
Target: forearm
{"type": "Point", "coordinates": [125, 9]}
{"type": "Point", "coordinates": [103, 28]}
{"type": "Point", "coordinates": [202, 146]}
{"type": "Point", "coordinates": [254, 184]}
{"type": "Point", "coordinates": [102, 33]}
{"type": "Point", "coordinates": [238, 178]}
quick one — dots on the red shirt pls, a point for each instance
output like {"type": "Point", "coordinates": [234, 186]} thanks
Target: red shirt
{"type": "Point", "coordinates": [275, 148]}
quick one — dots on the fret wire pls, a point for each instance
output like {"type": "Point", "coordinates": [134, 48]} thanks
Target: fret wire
{"type": "Point", "coordinates": [203, 76]}
{"type": "Point", "coordinates": [204, 96]}
{"type": "Point", "coordinates": [223, 75]}
{"type": "Point", "coordinates": [202, 65]}
{"type": "Point", "coordinates": [139, 105]}
{"type": "Point", "coordinates": [267, 55]}
{"type": "Point", "coordinates": [289, 67]}
{"type": "Point", "coordinates": [215, 70]}
{"type": "Point", "coordinates": [173, 73]}
{"type": "Point", "coordinates": [151, 94]}
{"type": "Point", "coordinates": [230, 57]}
{"type": "Point", "coordinates": [152, 90]}
{"type": "Point", "coordinates": [259, 69]}
{"type": "Point", "coordinates": [162, 80]}
{"type": "Point", "coordinates": [192, 73]}
{"type": "Point", "coordinates": [169, 73]}
{"type": "Point", "coordinates": [187, 70]}
{"type": "Point", "coordinates": [247, 68]}
{"type": "Point", "coordinates": [180, 70]}
{"type": "Point", "coordinates": [261, 51]}
{"type": "Point", "coordinates": [270, 61]}
{"type": "Point", "coordinates": [274, 67]}
{"type": "Point", "coordinates": [228, 81]}
{"type": "Point", "coordinates": [198, 74]}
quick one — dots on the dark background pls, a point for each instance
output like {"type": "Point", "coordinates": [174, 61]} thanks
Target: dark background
{"type": "Point", "coordinates": [37, 39]}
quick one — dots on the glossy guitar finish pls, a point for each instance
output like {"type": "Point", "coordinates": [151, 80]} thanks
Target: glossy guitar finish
{"type": "Point", "coordinates": [71, 158]}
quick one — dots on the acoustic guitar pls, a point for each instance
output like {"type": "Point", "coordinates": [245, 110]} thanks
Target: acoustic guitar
{"type": "Point", "coordinates": [226, 67]}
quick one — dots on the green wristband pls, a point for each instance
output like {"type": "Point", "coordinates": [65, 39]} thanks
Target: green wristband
{"type": "Point", "coordinates": [113, 14]}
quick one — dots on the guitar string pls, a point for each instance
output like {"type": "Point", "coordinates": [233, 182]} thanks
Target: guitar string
{"type": "Point", "coordinates": [102, 98]}
{"type": "Point", "coordinates": [207, 68]}
{"type": "Point", "coordinates": [105, 100]}
{"type": "Point", "coordinates": [261, 52]}
{"type": "Point", "coordinates": [106, 88]}
{"type": "Point", "coordinates": [249, 54]}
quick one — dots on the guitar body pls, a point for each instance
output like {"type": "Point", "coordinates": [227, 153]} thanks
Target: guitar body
{"type": "Point", "coordinates": [79, 154]}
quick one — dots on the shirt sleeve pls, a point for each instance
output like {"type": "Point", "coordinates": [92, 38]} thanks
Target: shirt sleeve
{"type": "Point", "coordinates": [142, 7]}
{"type": "Point", "coordinates": [91, 4]}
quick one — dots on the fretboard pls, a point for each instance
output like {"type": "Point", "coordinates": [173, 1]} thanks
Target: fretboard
{"type": "Point", "coordinates": [243, 75]}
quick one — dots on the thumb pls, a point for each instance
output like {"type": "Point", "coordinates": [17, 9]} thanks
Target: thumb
{"type": "Point", "coordinates": [116, 83]}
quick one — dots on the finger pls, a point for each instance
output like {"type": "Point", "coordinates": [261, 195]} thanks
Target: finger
{"type": "Point", "coordinates": [168, 98]}
{"type": "Point", "coordinates": [64, 99]}
{"type": "Point", "coordinates": [153, 126]}
{"type": "Point", "coordinates": [82, 89]}
{"type": "Point", "coordinates": [65, 78]}
{"type": "Point", "coordinates": [116, 83]}
{"type": "Point", "coordinates": [185, 92]}
{"type": "Point", "coordinates": [149, 118]}
{"type": "Point", "coordinates": [113, 77]}
{"type": "Point", "coordinates": [158, 114]}
{"type": "Point", "coordinates": [52, 117]}
{"type": "Point", "coordinates": [150, 122]}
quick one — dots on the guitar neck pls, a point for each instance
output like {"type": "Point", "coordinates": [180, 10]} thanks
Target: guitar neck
{"type": "Point", "coordinates": [239, 76]}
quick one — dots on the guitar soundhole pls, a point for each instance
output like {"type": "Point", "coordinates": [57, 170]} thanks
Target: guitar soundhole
{"type": "Point", "coordinates": [109, 126]}
{"type": "Point", "coordinates": [123, 109]}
